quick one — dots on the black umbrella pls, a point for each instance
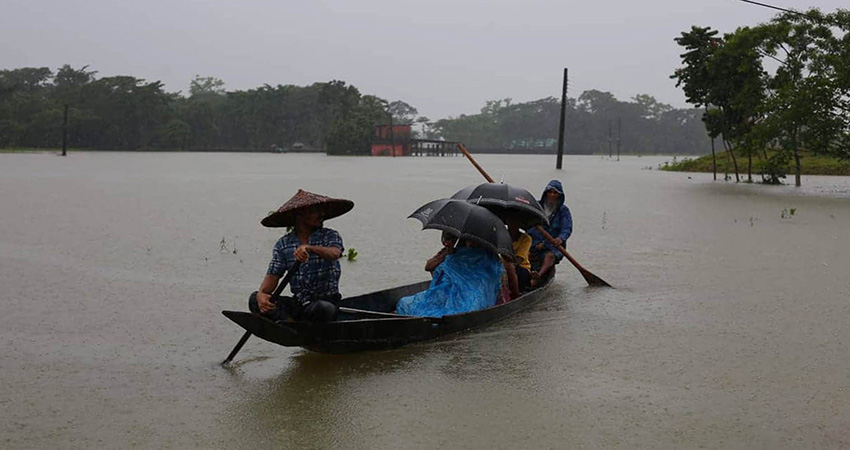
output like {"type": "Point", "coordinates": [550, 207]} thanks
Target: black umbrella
{"type": "Point", "coordinates": [466, 221]}
{"type": "Point", "coordinates": [504, 199]}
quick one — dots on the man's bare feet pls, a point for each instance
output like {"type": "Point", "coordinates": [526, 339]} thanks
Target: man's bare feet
{"type": "Point", "coordinates": [535, 278]}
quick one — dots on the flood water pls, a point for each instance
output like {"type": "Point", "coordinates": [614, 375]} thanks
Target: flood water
{"type": "Point", "coordinates": [728, 327]}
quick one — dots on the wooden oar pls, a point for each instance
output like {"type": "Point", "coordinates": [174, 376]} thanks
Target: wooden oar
{"type": "Point", "coordinates": [383, 315]}
{"type": "Point", "coordinates": [366, 312]}
{"type": "Point", "coordinates": [591, 279]}
{"type": "Point", "coordinates": [275, 295]}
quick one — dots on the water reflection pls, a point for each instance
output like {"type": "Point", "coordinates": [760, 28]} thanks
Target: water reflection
{"type": "Point", "coordinates": [314, 401]}
{"type": "Point", "coordinates": [325, 401]}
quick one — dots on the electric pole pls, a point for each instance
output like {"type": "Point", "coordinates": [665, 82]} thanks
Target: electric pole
{"type": "Point", "coordinates": [563, 118]}
{"type": "Point", "coordinates": [619, 135]}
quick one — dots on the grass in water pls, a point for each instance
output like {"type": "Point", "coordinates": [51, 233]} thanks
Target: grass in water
{"type": "Point", "coordinates": [811, 165]}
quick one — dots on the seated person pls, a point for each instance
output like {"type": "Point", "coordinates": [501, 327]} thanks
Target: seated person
{"type": "Point", "coordinates": [518, 271]}
{"type": "Point", "coordinates": [543, 255]}
{"type": "Point", "coordinates": [449, 241]}
{"type": "Point", "coordinates": [315, 284]}
{"type": "Point", "coordinates": [467, 280]}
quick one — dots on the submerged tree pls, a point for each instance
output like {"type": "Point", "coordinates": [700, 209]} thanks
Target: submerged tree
{"type": "Point", "coordinates": [801, 105]}
{"type": "Point", "coordinates": [694, 77]}
{"type": "Point", "coordinates": [726, 74]}
{"type": "Point", "coordinates": [804, 107]}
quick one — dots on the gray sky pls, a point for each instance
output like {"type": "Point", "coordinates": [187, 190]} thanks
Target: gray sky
{"type": "Point", "coordinates": [446, 58]}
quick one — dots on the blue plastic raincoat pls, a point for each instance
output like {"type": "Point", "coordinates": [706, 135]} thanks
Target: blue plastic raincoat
{"type": "Point", "coordinates": [467, 280]}
{"type": "Point", "coordinates": [560, 223]}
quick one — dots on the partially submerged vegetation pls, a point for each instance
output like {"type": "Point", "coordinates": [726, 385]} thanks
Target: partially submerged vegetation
{"type": "Point", "coordinates": [772, 90]}
{"type": "Point", "coordinates": [809, 165]}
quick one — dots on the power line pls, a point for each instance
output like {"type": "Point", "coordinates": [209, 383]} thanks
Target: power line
{"type": "Point", "coordinates": [791, 11]}
{"type": "Point", "coordinates": [773, 7]}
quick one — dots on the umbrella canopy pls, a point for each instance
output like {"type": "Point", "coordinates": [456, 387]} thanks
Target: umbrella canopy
{"type": "Point", "coordinates": [466, 221]}
{"type": "Point", "coordinates": [504, 199]}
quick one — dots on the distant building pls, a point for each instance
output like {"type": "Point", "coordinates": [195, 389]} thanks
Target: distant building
{"type": "Point", "coordinates": [397, 141]}
{"type": "Point", "coordinates": [391, 140]}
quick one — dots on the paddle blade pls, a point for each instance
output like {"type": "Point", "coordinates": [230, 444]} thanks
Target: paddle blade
{"type": "Point", "coordinates": [237, 348]}
{"type": "Point", "coordinates": [593, 280]}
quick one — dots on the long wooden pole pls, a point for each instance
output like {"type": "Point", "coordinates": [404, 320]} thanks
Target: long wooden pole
{"type": "Point", "coordinates": [275, 295]}
{"type": "Point", "coordinates": [591, 279]}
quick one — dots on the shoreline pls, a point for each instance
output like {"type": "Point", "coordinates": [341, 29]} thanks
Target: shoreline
{"type": "Point", "coordinates": [810, 165]}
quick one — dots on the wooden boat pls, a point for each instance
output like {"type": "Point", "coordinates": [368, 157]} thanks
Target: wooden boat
{"type": "Point", "coordinates": [366, 322]}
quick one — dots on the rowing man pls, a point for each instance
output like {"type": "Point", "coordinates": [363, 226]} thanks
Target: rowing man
{"type": "Point", "coordinates": [315, 284]}
{"type": "Point", "coordinates": [544, 255]}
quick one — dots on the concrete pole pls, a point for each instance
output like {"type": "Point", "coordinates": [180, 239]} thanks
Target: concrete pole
{"type": "Point", "coordinates": [563, 118]}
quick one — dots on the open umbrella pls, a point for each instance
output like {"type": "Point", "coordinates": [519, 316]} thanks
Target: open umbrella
{"type": "Point", "coordinates": [504, 199]}
{"type": "Point", "coordinates": [466, 221]}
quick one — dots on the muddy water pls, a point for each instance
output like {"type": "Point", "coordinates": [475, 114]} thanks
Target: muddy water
{"type": "Point", "coordinates": [728, 327]}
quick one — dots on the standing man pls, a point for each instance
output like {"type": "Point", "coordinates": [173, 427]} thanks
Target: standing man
{"type": "Point", "coordinates": [544, 256]}
{"type": "Point", "coordinates": [315, 284]}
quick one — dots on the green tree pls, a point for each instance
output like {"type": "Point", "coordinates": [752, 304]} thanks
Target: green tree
{"type": "Point", "coordinates": [402, 112]}
{"type": "Point", "coordinates": [352, 134]}
{"type": "Point", "coordinates": [804, 107]}
{"type": "Point", "coordinates": [801, 105]}
{"type": "Point", "coordinates": [694, 76]}
{"type": "Point", "coordinates": [650, 107]}
{"type": "Point", "coordinates": [68, 84]}
{"type": "Point", "coordinates": [126, 112]}
{"type": "Point", "coordinates": [206, 86]}
{"type": "Point", "coordinates": [726, 74]}
{"type": "Point", "coordinates": [176, 134]}
{"type": "Point", "coordinates": [25, 107]}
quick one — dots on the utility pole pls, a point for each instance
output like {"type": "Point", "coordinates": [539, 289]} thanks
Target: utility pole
{"type": "Point", "coordinates": [65, 132]}
{"type": "Point", "coordinates": [610, 139]}
{"type": "Point", "coordinates": [619, 135]}
{"type": "Point", "coordinates": [713, 160]}
{"type": "Point", "coordinates": [392, 137]}
{"type": "Point", "coordinates": [563, 118]}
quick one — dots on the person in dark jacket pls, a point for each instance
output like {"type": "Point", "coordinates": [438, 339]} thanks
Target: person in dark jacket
{"type": "Point", "coordinates": [544, 256]}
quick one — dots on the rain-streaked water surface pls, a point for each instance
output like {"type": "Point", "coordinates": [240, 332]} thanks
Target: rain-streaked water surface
{"type": "Point", "coordinates": [728, 327]}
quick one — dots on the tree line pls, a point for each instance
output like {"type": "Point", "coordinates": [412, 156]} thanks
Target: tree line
{"type": "Point", "coordinates": [129, 113]}
{"type": "Point", "coordinates": [595, 122]}
{"type": "Point", "coordinates": [776, 91]}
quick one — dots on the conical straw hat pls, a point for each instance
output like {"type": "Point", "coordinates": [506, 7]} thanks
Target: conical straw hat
{"type": "Point", "coordinates": [285, 215]}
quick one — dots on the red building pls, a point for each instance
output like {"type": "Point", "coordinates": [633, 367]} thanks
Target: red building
{"type": "Point", "coordinates": [391, 140]}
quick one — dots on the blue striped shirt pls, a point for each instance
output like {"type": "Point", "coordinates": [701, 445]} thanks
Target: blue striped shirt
{"type": "Point", "coordinates": [318, 277]}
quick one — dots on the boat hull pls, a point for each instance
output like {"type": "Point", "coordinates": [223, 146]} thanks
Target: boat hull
{"type": "Point", "coordinates": [357, 331]}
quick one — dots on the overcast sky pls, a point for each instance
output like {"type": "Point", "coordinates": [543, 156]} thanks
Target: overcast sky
{"type": "Point", "coordinates": [446, 58]}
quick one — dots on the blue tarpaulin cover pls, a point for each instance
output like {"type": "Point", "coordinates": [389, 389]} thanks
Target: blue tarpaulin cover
{"type": "Point", "coordinates": [467, 280]}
